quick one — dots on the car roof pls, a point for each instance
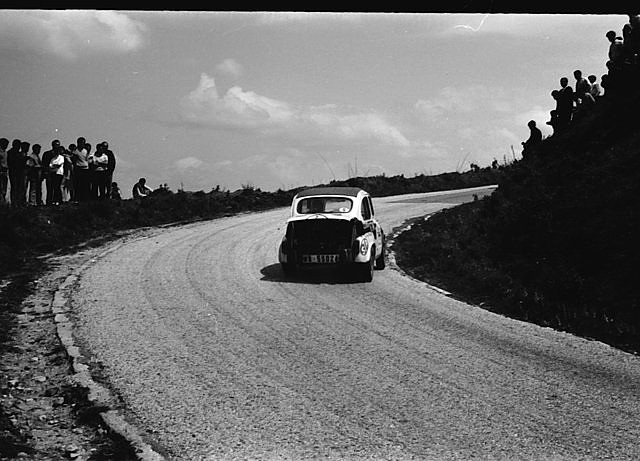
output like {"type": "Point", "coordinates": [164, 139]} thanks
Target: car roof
{"type": "Point", "coordinates": [349, 191]}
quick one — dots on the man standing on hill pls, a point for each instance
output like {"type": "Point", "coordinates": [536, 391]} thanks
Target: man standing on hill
{"type": "Point", "coordinates": [81, 170]}
{"type": "Point", "coordinates": [565, 104]}
{"type": "Point", "coordinates": [47, 174]}
{"type": "Point", "coordinates": [16, 163]}
{"type": "Point", "coordinates": [582, 87]}
{"type": "Point", "coordinates": [4, 170]}
{"type": "Point", "coordinates": [111, 166]}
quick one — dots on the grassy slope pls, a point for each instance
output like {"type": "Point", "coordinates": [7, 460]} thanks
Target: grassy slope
{"type": "Point", "coordinates": [556, 244]}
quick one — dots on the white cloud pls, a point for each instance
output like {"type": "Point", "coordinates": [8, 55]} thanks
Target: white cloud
{"type": "Point", "coordinates": [188, 163]}
{"type": "Point", "coordinates": [250, 111]}
{"type": "Point", "coordinates": [71, 33]}
{"type": "Point", "coordinates": [230, 67]}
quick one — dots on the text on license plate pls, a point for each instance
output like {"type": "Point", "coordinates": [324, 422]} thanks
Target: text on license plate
{"type": "Point", "coordinates": [320, 259]}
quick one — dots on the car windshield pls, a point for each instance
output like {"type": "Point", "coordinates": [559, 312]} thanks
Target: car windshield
{"type": "Point", "coordinates": [314, 205]}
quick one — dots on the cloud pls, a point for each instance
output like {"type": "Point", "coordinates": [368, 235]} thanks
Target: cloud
{"type": "Point", "coordinates": [71, 33]}
{"type": "Point", "coordinates": [230, 67]}
{"type": "Point", "coordinates": [188, 163]}
{"type": "Point", "coordinates": [247, 110]}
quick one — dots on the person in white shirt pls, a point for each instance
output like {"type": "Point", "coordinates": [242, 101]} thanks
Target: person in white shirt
{"type": "Point", "coordinates": [596, 90]}
{"type": "Point", "coordinates": [56, 169]}
{"type": "Point", "coordinates": [81, 176]}
{"type": "Point", "coordinates": [99, 160]}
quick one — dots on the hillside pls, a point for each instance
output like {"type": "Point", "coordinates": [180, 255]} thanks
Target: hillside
{"type": "Point", "coordinates": [556, 243]}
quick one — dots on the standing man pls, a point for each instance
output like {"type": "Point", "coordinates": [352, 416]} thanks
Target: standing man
{"type": "Point", "coordinates": [111, 166]}
{"type": "Point", "coordinates": [46, 176]}
{"type": "Point", "coordinates": [34, 176]}
{"type": "Point", "coordinates": [56, 173]}
{"type": "Point", "coordinates": [16, 164]}
{"type": "Point", "coordinates": [565, 104]}
{"type": "Point", "coordinates": [99, 160]}
{"type": "Point", "coordinates": [4, 170]}
{"type": "Point", "coordinates": [80, 157]}
{"type": "Point", "coordinates": [582, 87]}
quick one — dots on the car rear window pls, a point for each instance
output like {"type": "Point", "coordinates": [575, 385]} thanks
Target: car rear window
{"type": "Point", "coordinates": [314, 205]}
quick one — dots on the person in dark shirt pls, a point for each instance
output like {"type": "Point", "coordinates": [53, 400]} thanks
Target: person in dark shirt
{"type": "Point", "coordinates": [535, 138]}
{"type": "Point", "coordinates": [46, 171]}
{"type": "Point", "coordinates": [565, 104]}
{"type": "Point", "coordinates": [16, 161]}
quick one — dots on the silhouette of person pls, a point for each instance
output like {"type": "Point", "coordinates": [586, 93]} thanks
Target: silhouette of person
{"type": "Point", "coordinates": [67, 180]}
{"type": "Point", "coordinates": [4, 170]}
{"type": "Point", "coordinates": [582, 87]}
{"type": "Point", "coordinates": [46, 170]}
{"type": "Point", "coordinates": [565, 104]}
{"type": "Point", "coordinates": [553, 120]}
{"type": "Point", "coordinates": [16, 163]}
{"type": "Point", "coordinates": [111, 166]}
{"type": "Point", "coordinates": [115, 191]}
{"type": "Point", "coordinates": [535, 138]}
{"type": "Point", "coordinates": [140, 189]}
{"type": "Point", "coordinates": [34, 176]}
{"type": "Point", "coordinates": [595, 91]}
{"type": "Point", "coordinates": [634, 38]}
{"type": "Point", "coordinates": [616, 51]}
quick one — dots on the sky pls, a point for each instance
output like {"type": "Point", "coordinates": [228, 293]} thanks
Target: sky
{"type": "Point", "coordinates": [287, 99]}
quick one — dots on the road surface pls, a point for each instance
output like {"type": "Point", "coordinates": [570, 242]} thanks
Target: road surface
{"type": "Point", "coordinates": [216, 355]}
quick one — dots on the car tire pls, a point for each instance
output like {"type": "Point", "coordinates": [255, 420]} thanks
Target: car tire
{"type": "Point", "coordinates": [365, 270]}
{"type": "Point", "coordinates": [380, 262]}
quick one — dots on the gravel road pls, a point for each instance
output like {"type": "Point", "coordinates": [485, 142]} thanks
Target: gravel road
{"type": "Point", "coordinates": [218, 356]}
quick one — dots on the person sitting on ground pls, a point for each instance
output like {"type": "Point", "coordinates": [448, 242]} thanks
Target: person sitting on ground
{"type": "Point", "coordinates": [140, 189]}
{"type": "Point", "coordinates": [535, 138]}
{"type": "Point", "coordinates": [115, 191]}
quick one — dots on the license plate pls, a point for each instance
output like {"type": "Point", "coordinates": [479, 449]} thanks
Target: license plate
{"type": "Point", "coordinates": [320, 259]}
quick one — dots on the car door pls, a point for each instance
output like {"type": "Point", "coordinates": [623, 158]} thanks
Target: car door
{"type": "Point", "coordinates": [371, 224]}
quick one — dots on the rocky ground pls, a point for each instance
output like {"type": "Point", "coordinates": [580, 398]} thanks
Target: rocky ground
{"type": "Point", "coordinates": [44, 413]}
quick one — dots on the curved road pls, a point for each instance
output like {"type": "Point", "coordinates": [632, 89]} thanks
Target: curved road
{"type": "Point", "coordinates": [217, 355]}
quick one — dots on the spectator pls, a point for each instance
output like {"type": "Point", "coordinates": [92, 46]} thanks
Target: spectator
{"type": "Point", "coordinates": [91, 180]}
{"type": "Point", "coordinates": [595, 91]}
{"type": "Point", "coordinates": [46, 170]}
{"type": "Point", "coordinates": [535, 138]}
{"type": "Point", "coordinates": [80, 160]}
{"type": "Point", "coordinates": [582, 87]}
{"type": "Point", "coordinates": [16, 165]}
{"type": "Point", "coordinates": [565, 104]}
{"type": "Point", "coordinates": [553, 120]}
{"type": "Point", "coordinates": [111, 166]}
{"type": "Point", "coordinates": [140, 189]}
{"type": "Point", "coordinates": [67, 179]}
{"type": "Point", "coordinates": [616, 51]}
{"type": "Point", "coordinates": [634, 38]}
{"type": "Point", "coordinates": [56, 170]}
{"type": "Point", "coordinates": [4, 170]}
{"type": "Point", "coordinates": [34, 176]}
{"type": "Point", "coordinates": [100, 161]}
{"type": "Point", "coordinates": [115, 192]}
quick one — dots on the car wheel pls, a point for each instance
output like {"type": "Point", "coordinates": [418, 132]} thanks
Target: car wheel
{"type": "Point", "coordinates": [365, 271]}
{"type": "Point", "coordinates": [380, 263]}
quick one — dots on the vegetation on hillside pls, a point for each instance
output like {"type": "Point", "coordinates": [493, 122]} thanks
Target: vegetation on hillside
{"type": "Point", "coordinates": [556, 242]}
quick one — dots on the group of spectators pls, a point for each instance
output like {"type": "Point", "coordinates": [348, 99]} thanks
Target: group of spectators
{"type": "Point", "coordinates": [623, 67]}
{"type": "Point", "coordinates": [70, 174]}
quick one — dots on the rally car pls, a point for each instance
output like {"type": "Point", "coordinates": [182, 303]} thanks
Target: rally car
{"type": "Point", "coordinates": [333, 226]}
